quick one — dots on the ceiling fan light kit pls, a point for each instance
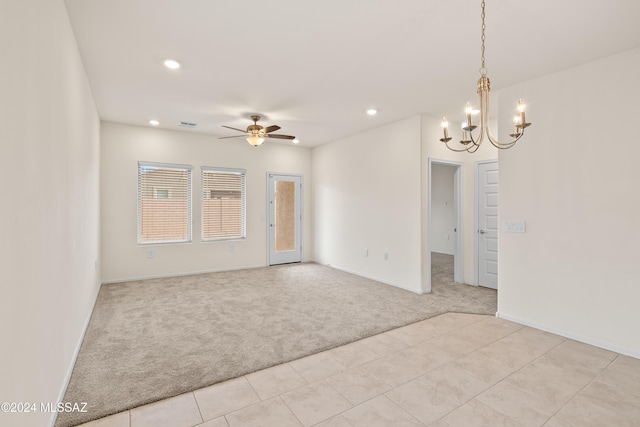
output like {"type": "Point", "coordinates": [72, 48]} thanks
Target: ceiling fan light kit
{"type": "Point", "coordinates": [469, 143]}
{"type": "Point", "coordinates": [255, 140]}
{"type": "Point", "coordinates": [256, 134]}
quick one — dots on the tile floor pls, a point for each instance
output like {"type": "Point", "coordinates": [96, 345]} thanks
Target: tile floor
{"type": "Point", "coordinates": [450, 370]}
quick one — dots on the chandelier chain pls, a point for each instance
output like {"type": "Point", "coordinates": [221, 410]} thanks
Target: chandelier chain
{"type": "Point", "coordinates": [483, 69]}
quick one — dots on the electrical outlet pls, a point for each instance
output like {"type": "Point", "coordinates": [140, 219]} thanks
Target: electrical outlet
{"type": "Point", "coordinates": [151, 254]}
{"type": "Point", "coordinates": [365, 253]}
{"type": "Point", "coordinates": [386, 256]}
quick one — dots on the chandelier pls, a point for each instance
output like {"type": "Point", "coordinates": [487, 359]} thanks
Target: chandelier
{"type": "Point", "coordinates": [468, 141]}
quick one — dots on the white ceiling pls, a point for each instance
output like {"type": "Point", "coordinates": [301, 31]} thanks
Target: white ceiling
{"type": "Point", "coordinates": [314, 67]}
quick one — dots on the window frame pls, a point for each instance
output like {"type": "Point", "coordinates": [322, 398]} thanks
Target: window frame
{"type": "Point", "coordinates": [189, 219]}
{"type": "Point", "coordinates": [243, 201]}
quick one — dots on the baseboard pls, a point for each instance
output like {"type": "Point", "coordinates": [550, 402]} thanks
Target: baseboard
{"type": "Point", "coordinates": [386, 282]}
{"type": "Point", "coordinates": [188, 273]}
{"type": "Point", "coordinates": [54, 415]}
{"type": "Point", "coordinates": [586, 340]}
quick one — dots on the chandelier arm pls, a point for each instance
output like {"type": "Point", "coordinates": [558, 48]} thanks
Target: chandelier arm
{"type": "Point", "coordinates": [503, 145]}
{"type": "Point", "coordinates": [499, 144]}
{"type": "Point", "coordinates": [473, 149]}
{"type": "Point", "coordinates": [479, 141]}
{"type": "Point", "coordinates": [507, 145]}
{"type": "Point", "coordinates": [456, 149]}
{"type": "Point", "coordinates": [484, 108]}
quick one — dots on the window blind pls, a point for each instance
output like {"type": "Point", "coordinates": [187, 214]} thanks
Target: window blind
{"type": "Point", "coordinates": [164, 203]}
{"type": "Point", "coordinates": [223, 203]}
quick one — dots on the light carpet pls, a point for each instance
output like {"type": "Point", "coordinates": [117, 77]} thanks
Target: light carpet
{"type": "Point", "coordinates": [154, 339]}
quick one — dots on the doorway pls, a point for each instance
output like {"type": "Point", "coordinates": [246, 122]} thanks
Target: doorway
{"type": "Point", "coordinates": [285, 218]}
{"type": "Point", "coordinates": [445, 221]}
{"type": "Point", "coordinates": [487, 223]}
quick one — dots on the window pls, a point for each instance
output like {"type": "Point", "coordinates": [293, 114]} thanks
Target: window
{"type": "Point", "coordinates": [223, 203]}
{"type": "Point", "coordinates": [164, 203]}
{"type": "Point", "coordinates": [161, 193]}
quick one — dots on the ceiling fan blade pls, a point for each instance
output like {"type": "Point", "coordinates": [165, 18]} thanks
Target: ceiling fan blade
{"type": "Point", "coordinates": [234, 136]}
{"type": "Point", "coordinates": [272, 135]}
{"type": "Point", "coordinates": [271, 128]}
{"type": "Point", "coordinates": [239, 130]}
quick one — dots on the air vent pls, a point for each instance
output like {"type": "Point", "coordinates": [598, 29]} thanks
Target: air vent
{"type": "Point", "coordinates": [187, 125]}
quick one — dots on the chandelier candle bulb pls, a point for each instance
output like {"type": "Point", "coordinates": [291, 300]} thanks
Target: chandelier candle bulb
{"type": "Point", "coordinates": [521, 110]}
{"type": "Point", "coordinates": [467, 109]}
{"type": "Point", "coordinates": [445, 128]}
{"type": "Point", "coordinates": [465, 135]}
{"type": "Point", "coordinates": [516, 122]}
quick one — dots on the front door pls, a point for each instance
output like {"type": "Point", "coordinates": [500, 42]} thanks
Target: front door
{"type": "Point", "coordinates": [487, 221]}
{"type": "Point", "coordinates": [285, 219]}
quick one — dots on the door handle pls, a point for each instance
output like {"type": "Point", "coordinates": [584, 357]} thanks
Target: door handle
{"type": "Point", "coordinates": [481, 231]}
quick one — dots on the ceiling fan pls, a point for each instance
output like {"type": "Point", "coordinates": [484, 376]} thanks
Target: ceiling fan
{"type": "Point", "coordinates": [256, 134]}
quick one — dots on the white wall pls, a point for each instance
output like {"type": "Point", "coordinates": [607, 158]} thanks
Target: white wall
{"type": "Point", "coordinates": [433, 148]}
{"type": "Point", "coordinates": [124, 145]}
{"type": "Point", "coordinates": [370, 192]}
{"type": "Point", "coordinates": [367, 196]}
{"type": "Point", "coordinates": [443, 216]}
{"type": "Point", "coordinates": [49, 220]}
{"type": "Point", "coordinates": [574, 179]}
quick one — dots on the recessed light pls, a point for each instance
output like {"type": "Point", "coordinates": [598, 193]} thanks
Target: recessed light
{"type": "Point", "coordinates": [296, 141]}
{"type": "Point", "coordinates": [171, 63]}
{"type": "Point", "coordinates": [154, 122]}
{"type": "Point", "coordinates": [372, 112]}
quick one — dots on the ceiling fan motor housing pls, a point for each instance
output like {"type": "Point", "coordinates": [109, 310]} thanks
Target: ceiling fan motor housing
{"type": "Point", "coordinates": [255, 129]}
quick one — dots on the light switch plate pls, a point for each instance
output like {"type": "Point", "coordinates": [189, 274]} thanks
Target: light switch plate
{"type": "Point", "coordinates": [515, 226]}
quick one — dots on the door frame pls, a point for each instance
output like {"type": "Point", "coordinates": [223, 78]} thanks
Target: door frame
{"type": "Point", "coordinates": [268, 214]}
{"type": "Point", "coordinates": [458, 179]}
{"type": "Point", "coordinates": [476, 213]}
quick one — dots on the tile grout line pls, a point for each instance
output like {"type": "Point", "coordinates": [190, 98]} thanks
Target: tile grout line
{"type": "Point", "coordinates": [323, 378]}
{"type": "Point", "coordinates": [379, 395]}
{"type": "Point", "coordinates": [518, 370]}
{"type": "Point", "coordinates": [499, 339]}
{"type": "Point", "coordinates": [541, 356]}
{"type": "Point", "coordinates": [236, 410]}
{"type": "Point", "coordinates": [291, 410]}
{"type": "Point", "coordinates": [401, 408]}
{"type": "Point", "coordinates": [420, 376]}
{"type": "Point", "coordinates": [582, 389]}
{"type": "Point", "coordinates": [252, 388]}
{"type": "Point", "coordinates": [197, 406]}
{"type": "Point", "coordinates": [285, 392]}
{"type": "Point", "coordinates": [452, 361]}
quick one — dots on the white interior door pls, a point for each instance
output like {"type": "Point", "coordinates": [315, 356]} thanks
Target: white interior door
{"type": "Point", "coordinates": [285, 219]}
{"type": "Point", "coordinates": [487, 221]}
